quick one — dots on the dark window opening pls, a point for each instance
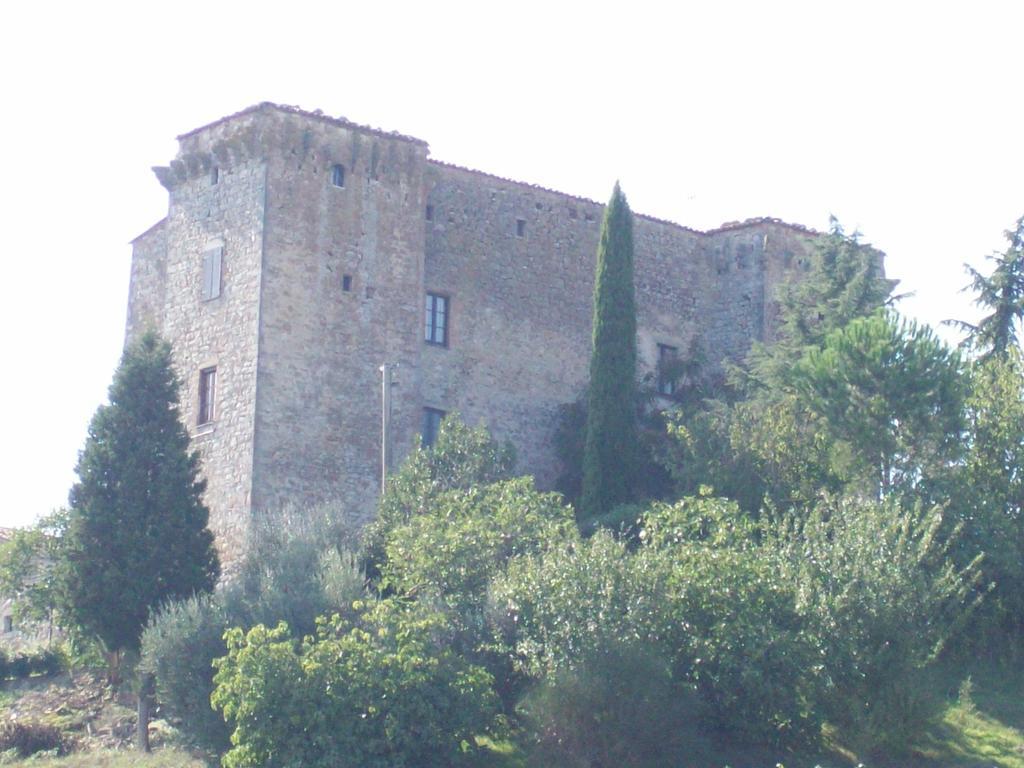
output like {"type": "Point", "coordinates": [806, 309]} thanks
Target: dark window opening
{"type": "Point", "coordinates": [435, 329]}
{"type": "Point", "coordinates": [432, 418]}
{"type": "Point", "coordinates": [520, 227]}
{"type": "Point", "coordinates": [346, 282]}
{"type": "Point", "coordinates": [338, 175]}
{"type": "Point", "coordinates": [214, 176]}
{"type": "Point", "coordinates": [572, 213]}
{"type": "Point", "coordinates": [667, 358]}
{"type": "Point", "coordinates": [8, 624]}
{"type": "Point", "coordinates": [207, 395]}
{"type": "Point", "coordinates": [430, 213]}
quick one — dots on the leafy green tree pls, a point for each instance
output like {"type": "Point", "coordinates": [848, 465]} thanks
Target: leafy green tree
{"type": "Point", "coordinates": [469, 536]}
{"type": "Point", "coordinates": [892, 394]}
{"type": "Point", "coordinates": [1002, 293]}
{"type": "Point", "coordinates": [989, 493]}
{"type": "Point", "coordinates": [27, 576]}
{"type": "Point", "coordinates": [881, 600]}
{"type": "Point", "coordinates": [757, 440]}
{"type": "Point", "coordinates": [611, 450]}
{"type": "Point", "coordinates": [137, 531]}
{"type": "Point", "coordinates": [461, 458]}
{"type": "Point", "coordinates": [383, 690]}
{"type": "Point", "coordinates": [843, 281]}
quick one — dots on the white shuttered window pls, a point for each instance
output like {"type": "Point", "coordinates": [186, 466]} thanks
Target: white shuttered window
{"type": "Point", "coordinates": [212, 259]}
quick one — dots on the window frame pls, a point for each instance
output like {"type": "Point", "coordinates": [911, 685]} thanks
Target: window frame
{"type": "Point", "coordinates": [430, 426]}
{"type": "Point", "coordinates": [207, 410]}
{"type": "Point", "coordinates": [667, 353]}
{"type": "Point", "coordinates": [430, 318]}
{"type": "Point", "coordinates": [338, 176]}
{"type": "Point", "coordinates": [213, 272]}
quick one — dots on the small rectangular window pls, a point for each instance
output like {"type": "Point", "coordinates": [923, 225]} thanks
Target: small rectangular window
{"type": "Point", "coordinates": [520, 227]}
{"type": "Point", "coordinates": [8, 624]}
{"type": "Point", "coordinates": [667, 357]}
{"type": "Point", "coordinates": [214, 176]}
{"type": "Point", "coordinates": [346, 282]}
{"type": "Point", "coordinates": [207, 395]}
{"type": "Point", "coordinates": [435, 330]}
{"type": "Point", "coordinates": [212, 262]}
{"type": "Point", "coordinates": [338, 175]}
{"type": "Point", "coordinates": [430, 213]}
{"type": "Point", "coordinates": [432, 418]}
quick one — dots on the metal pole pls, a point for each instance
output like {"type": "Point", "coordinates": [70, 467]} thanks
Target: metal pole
{"type": "Point", "coordinates": [385, 426]}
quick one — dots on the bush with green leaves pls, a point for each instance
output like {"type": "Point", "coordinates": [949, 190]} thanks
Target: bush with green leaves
{"type": "Point", "coordinates": [292, 570]}
{"type": "Point", "coordinates": [466, 537]}
{"type": "Point", "coordinates": [700, 592]}
{"type": "Point", "coordinates": [461, 458]}
{"type": "Point", "coordinates": [28, 737]}
{"type": "Point", "coordinates": [881, 600]}
{"type": "Point", "coordinates": [617, 707]}
{"type": "Point", "coordinates": [178, 648]}
{"type": "Point", "coordinates": [382, 690]}
{"type": "Point", "coordinates": [553, 609]}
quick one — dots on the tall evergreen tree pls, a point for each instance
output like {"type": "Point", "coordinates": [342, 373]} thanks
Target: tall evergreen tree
{"type": "Point", "coordinates": [1002, 292]}
{"type": "Point", "coordinates": [611, 450]}
{"type": "Point", "coordinates": [137, 531]}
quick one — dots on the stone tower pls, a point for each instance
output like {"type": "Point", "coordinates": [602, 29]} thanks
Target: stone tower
{"type": "Point", "coordinates": [301, 252]}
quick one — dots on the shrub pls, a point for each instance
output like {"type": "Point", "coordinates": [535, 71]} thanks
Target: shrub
{"type": "Point", "coordinates": [461, 458]}
{"type": "Point", "coordinates": [381, 691]}
{"type": "Point", "coordinates": [718, 614]}
{"type": "Point", "coordinates": [291, 570]}
{"type": "Point", "coordinates": [27, 738]}
{"type": "Point", "coordinates": [178, 648]}
{"type": "Point", "coordinates": [882, 601]}
{"type": "Point", "coordinates": [45, 662]}
{"type": "Point", "coordinates": [18, 666]}
{"type": "Point", "coordinates": [553, 609]}
{"type": "Point", "coordinates": [457, 546]}
{"type": "Point", "coordinates": [618, 707]}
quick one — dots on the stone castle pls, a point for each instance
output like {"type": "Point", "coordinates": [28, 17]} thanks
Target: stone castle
{"type": "Point", "coordinates": [301, 252]}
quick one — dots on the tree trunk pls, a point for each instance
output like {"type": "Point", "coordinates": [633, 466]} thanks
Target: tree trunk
{"type": "Point", "coordinates": [143, 712]}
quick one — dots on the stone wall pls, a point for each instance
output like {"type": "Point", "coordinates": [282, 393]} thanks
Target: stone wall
{"type": "Point", "coordinates": [221, 332]}
{"type": "Point", "coordinates": [321, 346]}
{"type": "Point", "coordinates": [322, 284]}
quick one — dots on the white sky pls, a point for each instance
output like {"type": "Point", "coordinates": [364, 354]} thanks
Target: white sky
{"type": "Point", "coordinates": [903, 119]}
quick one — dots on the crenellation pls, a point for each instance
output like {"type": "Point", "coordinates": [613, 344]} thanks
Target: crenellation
{"type": "Point", "coordinates": [321, 284]}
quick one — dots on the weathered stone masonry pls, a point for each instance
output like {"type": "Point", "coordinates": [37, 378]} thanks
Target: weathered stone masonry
{"type": "Point", "coordinates": [321, 283]}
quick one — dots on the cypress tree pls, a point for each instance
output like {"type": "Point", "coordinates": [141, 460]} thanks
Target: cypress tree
{"type": "Point", "coordinates": [137, 531]}
{"type": "Point", "coordinates": [611, 448]}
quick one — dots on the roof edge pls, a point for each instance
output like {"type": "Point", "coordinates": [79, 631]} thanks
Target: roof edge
{"type": "Point", "coordinates": [314, 115]}
{"type": "Point", "coordinates": [726, 227]}
{"type": "Point", "coordinates": [148, 231]}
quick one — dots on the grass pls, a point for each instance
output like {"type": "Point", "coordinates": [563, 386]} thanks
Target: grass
{"type": "Point", "coordinates": [162, 758]}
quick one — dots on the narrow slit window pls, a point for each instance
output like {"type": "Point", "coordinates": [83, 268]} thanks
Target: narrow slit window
{"type": "Point", "coordinates": [430, 213]}
{"type": "Point", "coordinates": [520, 227]}
{"type": "Point", "coordinates": [432, 418]}
{"type": "Point", "coordinates": [346, 283]}
{"type": "Point", "coordinates": [207, 395]}
{"type": "Point", "coordinates": [338, 175]}
{"type": "Point", "coordinates": [214, 176]}
{"type": "Point", "coordinates": [667, 374]}
{"type": "Point", "coordinates": [435, 329]}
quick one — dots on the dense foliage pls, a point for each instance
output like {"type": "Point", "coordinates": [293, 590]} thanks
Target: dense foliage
{"type": "Point", "coordinates": [381, 690]}
{"type": "Point", "coordinates": [848, 512]}
{"type": "Point", "coordinates": [611, 450]}
{"type": "Point", "coordinates": [136, 533]}
{"type": "Point", "coordinates": [295, 569]}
